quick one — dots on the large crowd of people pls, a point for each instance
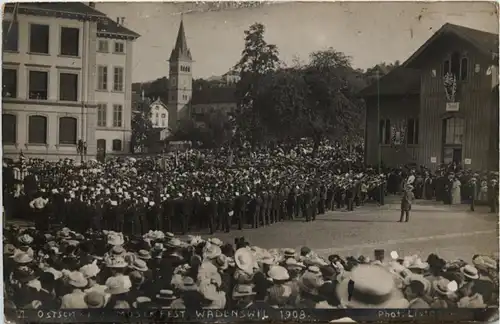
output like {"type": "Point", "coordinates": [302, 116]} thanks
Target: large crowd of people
{"type": "Point", "coordinates": [194, 189]}
{"type": "Point", "coordinates": [104, 233]}
{"type": "Point", "coordinates": [64, 269]}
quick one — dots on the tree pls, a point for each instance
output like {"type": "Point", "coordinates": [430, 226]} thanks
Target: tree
{"type": "Point", "coordinates": [317, 100]}
{"type": "Point", "coordinates": [141, 127]}
{"type": "Point", "coordinates": [333, 109]}
{"type": "Point", "coordinates": [381, 68]}
{"type": "Point", "coordinates": [213, 130]}
{"type": "Point", "coordinates": [258, 58]}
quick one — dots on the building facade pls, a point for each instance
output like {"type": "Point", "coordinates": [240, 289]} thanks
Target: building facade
{"type": "Point", "coordinates": [48, 56]}
{"type": "Point", "coordinates": [159, 114]}
{"type": "Point", "coordinates": [390, 104]}
{"type": "Point", "coordinates": [457, 102]}
{"type": "Point", "coordinates": [113, 86]}
{"type": "Point", "coordinates": [49, 79]}
{"type": "Point", "coordinates": [180, 79]}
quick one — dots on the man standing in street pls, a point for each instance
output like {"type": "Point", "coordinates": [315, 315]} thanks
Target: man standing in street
{"type": "Point", "coordinates": [406, 202]}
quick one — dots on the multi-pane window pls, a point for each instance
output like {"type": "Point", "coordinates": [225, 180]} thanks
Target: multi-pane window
{"type": "Point", "coordinates": [70, 41]}
{"type": "Point", "coordinates": [117, 145]}
{"type": "Point", "coordinates": [38, 85]}
{"type": "Point", "coordinates": [101, 115]}
{"type": "Point", "coordinates": [102, 77]}
{"type": "Point", "coordinates": [412, 131]}
{"type": "Point", "coordinates": [117, 115]}
{"type": "Point", "coordinates": [454, 131]}
{"type": "Point", "coordinates": [68, 87]}
{"type": "Point", "coordinates": [9, 128]}
{"type": "Point", "coordinates": [103, 46]}
{"type": "Point", "coordinates": [464, 65]}
{"type": "Point", "coordinates": [39, 38]}
{"type": "Point", "coordinates": [385, 131]}
{"type": "Point", "coordinates": [118, 79]}
{"type": "Point", "coordinates": [9, 83]}
{"type": "Point", "coordinates": [119, 47]}
{"type": "Point", "coordinates": [37, 130]}
{"type": "Point", "coordinates": [67, 130]}
{"type": "Point", "coordinates": [10, 35]}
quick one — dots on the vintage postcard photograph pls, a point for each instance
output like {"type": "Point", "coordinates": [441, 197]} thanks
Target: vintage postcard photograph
{"type": "Point", "coordinates": [250, 161]}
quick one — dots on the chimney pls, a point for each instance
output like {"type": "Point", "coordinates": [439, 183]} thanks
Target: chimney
{"type": "Point", "coordinates": [122, 21]}
{"type": "Point", "coordinates": [92, 5]}
{"type": "Point", "coordinates": [118, 20]}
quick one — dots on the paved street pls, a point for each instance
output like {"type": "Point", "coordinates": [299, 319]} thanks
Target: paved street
{"type": "Point", "coordinates": [450, 231]}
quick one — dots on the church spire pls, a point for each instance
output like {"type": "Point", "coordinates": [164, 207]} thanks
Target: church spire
{"type": "Point", "coordinates": [181, 50]}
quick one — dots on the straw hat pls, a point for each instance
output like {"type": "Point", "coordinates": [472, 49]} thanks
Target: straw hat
{"type": "Point", "coordinates": [76, 279]}
{"type": "Point", "coordinates": [116, 262]}
{"type": "Point", "coordinates": [361, 290]}
{"type": "Point", "coordinates": [166, 294]}
{"type": "Point", "coordinates": [244, 260]}
{"type": "Point", "coordinates": [212, 252]}
{"type": "Point", "coordinates": [144, 254]}
{"type": "Point", "coordinates": [95, 299]}
{"type": "Point", "coordinates": [469, 272]}
{"type": "Point", "coordinates": [139, 265]}
{"type": "Point", "coordinates": [484, 262]}
{"type": "Point", "coordinates": [441, 286]}
{"type": "Point", "coordinates": [22, 258]}
{"type": "Point", "coordinates": [116, 286]}
{"type": "Point", "coordinates": [242, 291]}
{"type": "Point", "coordinates": [25, 239]}
{"type": "Point", "coordinates": [278, 273]}
{"type": "Point", "coordinates": [140, 300]}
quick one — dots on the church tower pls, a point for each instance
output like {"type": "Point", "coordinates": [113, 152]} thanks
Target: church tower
{"type": "Point", "coordinates": [180, 80]}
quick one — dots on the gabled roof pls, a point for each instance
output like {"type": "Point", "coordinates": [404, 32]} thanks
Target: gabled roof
{"type": "Point", "coordinates": [158, 102]}
{"type": "Point", "coordinates": [109, 27]}
{"type": "Point", "coordinates": [398, 82]}
{"type": "Point", "coordinates": [70, 10]}
{"type": "Point", "coordinates": [485, 42]}
{"type": "Point", "coordinates": [181, 50]}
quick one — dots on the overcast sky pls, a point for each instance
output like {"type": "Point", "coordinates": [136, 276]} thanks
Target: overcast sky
{"type": "Point", "coordinates": [369, 32]}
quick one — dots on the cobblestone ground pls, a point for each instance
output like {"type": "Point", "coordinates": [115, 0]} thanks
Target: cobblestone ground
{"type": "Point", "coordinates": [450, 231]}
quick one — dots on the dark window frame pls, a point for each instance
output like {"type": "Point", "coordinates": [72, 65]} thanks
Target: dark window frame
{"type": "Point", "coordinates": [64, 82]}
{"type": "Point", "coordinates": [7, 85]}
{"type": "Point", "coordinates": [33, 45]}
{"type": "Point", "coordinates": [38, 94]}
{"type": "Point", "coordinates": [11, 136]}
{"type": "Point", "coordinates": [104, 49]}
{"type": "Point", "coordinates": [68, 49]}
{"type": "Point", "coordinates": [11, 40]}
{"type": "Point", "coordinates": [412, 131]}
{"type": "Point", "coordinates": [384, 131]}
{"type": "Point", "coordinates": [119, 48]}
{"type": "Point", "coordinates": [67, 124]}
{"type": "Point", "coordinates": [33, 137]}
{"type": "Point", "coordinates": [117, 145]}
{"type": "Point", "coordinates": [102, 115]}
{"type": "Point", "coordinates": [458, 124]}
{"type": "Point", "coordinates": [464, 71]}
{"type": "Point", "coordinates": [118, 83]}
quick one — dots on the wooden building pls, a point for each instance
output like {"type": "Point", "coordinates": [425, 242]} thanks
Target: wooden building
{"type": "Point", "coordinates": [457, 106]}
{"type": "Point", "coordinates": [391, 102]}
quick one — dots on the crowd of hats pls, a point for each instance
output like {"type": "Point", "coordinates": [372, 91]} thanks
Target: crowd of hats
{"type": "Point", "coordinates": [65, 269]}
{"type": "Point", "coordinates": [206, 174]}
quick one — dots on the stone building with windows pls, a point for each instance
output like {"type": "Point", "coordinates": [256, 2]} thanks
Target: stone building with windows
{"type": "Point", "coordinates": [49, 79]}
{"type": "Point", "coordinates": [113, 90]}
{"type": "Point", "coordinates": [457, 104]}
{"type": "Point", "coordinates": [159, 114]}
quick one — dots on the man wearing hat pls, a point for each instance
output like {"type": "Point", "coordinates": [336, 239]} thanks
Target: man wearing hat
{"type": "Point", "coordinates": [406, 202]}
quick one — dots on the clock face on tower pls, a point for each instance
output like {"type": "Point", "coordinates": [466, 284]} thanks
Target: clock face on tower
{"type": "Point", "coordinates": [174, 81]}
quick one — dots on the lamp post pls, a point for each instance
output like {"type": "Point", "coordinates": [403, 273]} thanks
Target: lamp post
{"type": "Point", "coordinates": [81, 149]}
